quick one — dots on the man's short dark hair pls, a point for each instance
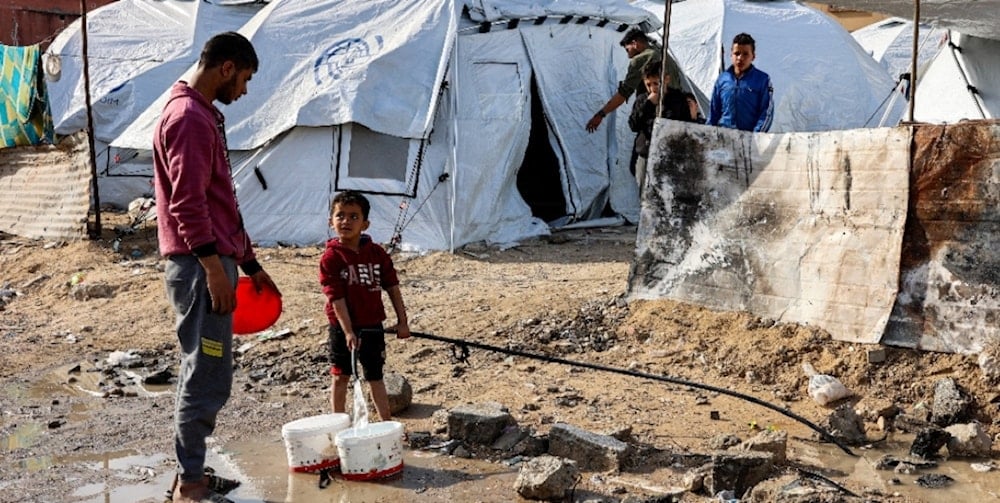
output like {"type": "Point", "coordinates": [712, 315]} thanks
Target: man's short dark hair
{"type": "Point", "coordinates": [352, 197]}
{"type": "Point", "coordinates": [745, 39]}
{"type": "Point", "coordinates": [229, 46]}
{"type": "Point", "coordinates": [652, 68]}
{"type": "Point", "coordinates": [633, 35]}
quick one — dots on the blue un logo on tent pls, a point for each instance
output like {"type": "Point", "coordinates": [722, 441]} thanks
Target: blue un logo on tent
{"type": "Point", "coordinates": [343, 56]}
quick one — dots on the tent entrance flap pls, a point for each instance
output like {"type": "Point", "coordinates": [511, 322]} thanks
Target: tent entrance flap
{"type": "Point", "coordinates": [538, 179]}
{"type": "Point", "coordinates": [369, 161]}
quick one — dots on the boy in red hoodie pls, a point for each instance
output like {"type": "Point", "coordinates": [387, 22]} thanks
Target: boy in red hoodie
{"type": "Point", "coordinates": [354, 271]}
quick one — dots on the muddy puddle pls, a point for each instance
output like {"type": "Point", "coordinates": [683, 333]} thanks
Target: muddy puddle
{"type": "Point", "coordinates": [123, 475]}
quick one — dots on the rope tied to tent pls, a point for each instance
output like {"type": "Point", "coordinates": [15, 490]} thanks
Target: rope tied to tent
{"type": "Point", "coordinates": [414, 176]}
{"type": "Point", "coordinates": [955, 51]}
{"type": "Point", "coordinates": [464, 346]}
{"type": "Point", "coordinates": [402, 222]}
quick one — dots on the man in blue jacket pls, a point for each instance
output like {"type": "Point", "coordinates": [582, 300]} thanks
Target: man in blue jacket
{"type": "Point", "coordinates": [741, 98]}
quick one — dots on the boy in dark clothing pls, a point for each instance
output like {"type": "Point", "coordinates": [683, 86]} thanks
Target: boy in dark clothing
{"type": "Point", "coordinates": [675, 106]}
{"type": "Point", "coordinates": [353, 271]}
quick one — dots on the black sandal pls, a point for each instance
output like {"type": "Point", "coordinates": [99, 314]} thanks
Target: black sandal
{"type": "Point", "coordinates": [216, 484]}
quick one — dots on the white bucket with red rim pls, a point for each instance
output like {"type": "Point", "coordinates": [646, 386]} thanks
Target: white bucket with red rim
{"type": "Point", "coordinates": [372, 451]}
{"type": "Point", "coordinates": [309, 442]}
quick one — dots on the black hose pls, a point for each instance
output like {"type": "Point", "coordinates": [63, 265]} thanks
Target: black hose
{"type": "Point", "coordinates": [673, 380]}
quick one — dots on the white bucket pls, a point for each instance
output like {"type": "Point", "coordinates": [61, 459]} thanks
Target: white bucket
{"type": "Point", "coordinates": [309, 441]}
{"type": "Point", "coordinates": [371, 452]}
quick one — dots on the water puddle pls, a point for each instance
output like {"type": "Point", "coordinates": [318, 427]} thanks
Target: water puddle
{"type": "Point", "coordinates": [968, 485]}
{"type": "Point", "coordinates": [129, 476]}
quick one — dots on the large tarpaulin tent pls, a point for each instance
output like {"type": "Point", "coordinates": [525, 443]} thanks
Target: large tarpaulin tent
{"type": "Point", "coordinates": [135, 48]}
{"type": "Point", "coordinates": [822, 79]}
{"type": "Point", "coordinates": [890, 43]}
{"type": "Point", "coordinates": [463, 120]}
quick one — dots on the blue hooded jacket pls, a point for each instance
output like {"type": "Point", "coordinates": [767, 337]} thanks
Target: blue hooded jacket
{"type": "Point", "coordinates": [742, 103]}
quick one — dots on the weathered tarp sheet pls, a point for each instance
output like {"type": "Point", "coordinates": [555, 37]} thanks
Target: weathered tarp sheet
{"type": "Point", "coordinates": [45, 190]}
{"type": "Point", "coordinates": [949, 292]}
{"type": "Point", "coordinates": [797, 227]}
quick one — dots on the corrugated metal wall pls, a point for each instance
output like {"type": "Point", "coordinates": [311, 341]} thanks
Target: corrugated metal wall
{"type": "Point", "coordinates": [45, 190]}
{"type": "Point", "coordinates": [29, 22]}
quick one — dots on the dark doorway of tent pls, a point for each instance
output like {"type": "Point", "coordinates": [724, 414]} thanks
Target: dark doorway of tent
{"type": "Point", "coordinates": [538, 178]}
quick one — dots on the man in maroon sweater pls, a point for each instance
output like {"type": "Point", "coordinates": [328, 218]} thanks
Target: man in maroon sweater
{"type": "Point", "coordinates": [201, 235]}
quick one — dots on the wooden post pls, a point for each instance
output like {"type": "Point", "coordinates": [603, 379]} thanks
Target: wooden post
{"type": "Point", "coordinates": [913, 58]}
{"type": "Point", "coordinates": [664, 55]}
{"type": "Point", "coordinates": [95, 231]}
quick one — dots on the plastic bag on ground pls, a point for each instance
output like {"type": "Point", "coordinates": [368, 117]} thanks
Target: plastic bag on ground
{"type": "Point", "coordinates": [823, 388]}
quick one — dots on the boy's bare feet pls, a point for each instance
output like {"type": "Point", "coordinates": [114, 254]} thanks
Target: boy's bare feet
{"type": "Point", "coordinates": [197, 492]}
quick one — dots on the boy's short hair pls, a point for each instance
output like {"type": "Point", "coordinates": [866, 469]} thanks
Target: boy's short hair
{"type": "Point", "coordinates": [745, 39]}
{"type": "Point", "coordinates": [229, 46]}
{"type": "Point", "coordinates": [652, 68]}
{"type": "Point", "coordinates": [633, 35]}
{"type": "Point", "coordinates": [352, 197]}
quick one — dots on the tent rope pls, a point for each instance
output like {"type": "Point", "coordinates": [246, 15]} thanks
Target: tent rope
{"type": "Point", "coordinates": [895, 88]}
{"type": "Point", "coordinates": [973, 91]}
{"type": "Point", "coordinates": [464, 345]}
{"type": "Point", "coordinates": [414, 176]}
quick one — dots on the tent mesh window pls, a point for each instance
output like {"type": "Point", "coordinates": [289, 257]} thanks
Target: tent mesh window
{"type": "Point", "coordinates": [375, 155]}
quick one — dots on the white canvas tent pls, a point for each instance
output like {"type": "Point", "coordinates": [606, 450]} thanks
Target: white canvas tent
{"type": "Point", "coordinates": [890, 42]}
{"type": "Point", "coordinates": [134, 47]}
{"type": "Point", "coordinates": [961, 82]}
{"type": "Point", "coordinates": [823, 80]}
{"type": "Point", "coordinates": [464, 122]}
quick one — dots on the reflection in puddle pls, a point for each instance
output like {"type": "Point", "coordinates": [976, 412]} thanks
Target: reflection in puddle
{"type": "Point", "coordinates": [969, 485]}
{"type": "Point", "coordinates": [426, 476]}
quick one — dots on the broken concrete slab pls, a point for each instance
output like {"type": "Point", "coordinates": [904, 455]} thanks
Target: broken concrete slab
{"type": "Point", "coordinates": [737, 472]}
{"type": "Point", "coordinates": [592, 451]}
{"type": "Point", "coordinates": [478, 424]}
{"type": "Point", "coordinates": [773, 442]}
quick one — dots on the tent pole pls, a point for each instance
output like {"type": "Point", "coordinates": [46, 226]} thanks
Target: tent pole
{"type": "Point", "coordinates": [913, 58]}
{"type": "Point", "coordinates": [666, 54]}
{"type": "Point", "coordinates": [95, 231]}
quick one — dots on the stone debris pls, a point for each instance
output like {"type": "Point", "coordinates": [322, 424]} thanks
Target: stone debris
{"type": "Point", "coordinates": [547, 478]}
{"type": "Point", "coordinates": [845, 424]}
{"type": "Point", "coordinates": [969, 440]}
{"type": "Point", "coordinates": [399, 390]}
{"type": "Point", "coordinates": [928, 442]}
{"type": "Point", "coordinates": [951, 404]}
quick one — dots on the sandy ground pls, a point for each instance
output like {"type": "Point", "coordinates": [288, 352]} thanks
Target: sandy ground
{"type": "Point", "coordinates": [561, 296]}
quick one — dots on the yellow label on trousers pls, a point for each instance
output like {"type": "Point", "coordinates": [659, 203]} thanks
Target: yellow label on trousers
{"type": "Point", "coordinates": [211, 348]}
